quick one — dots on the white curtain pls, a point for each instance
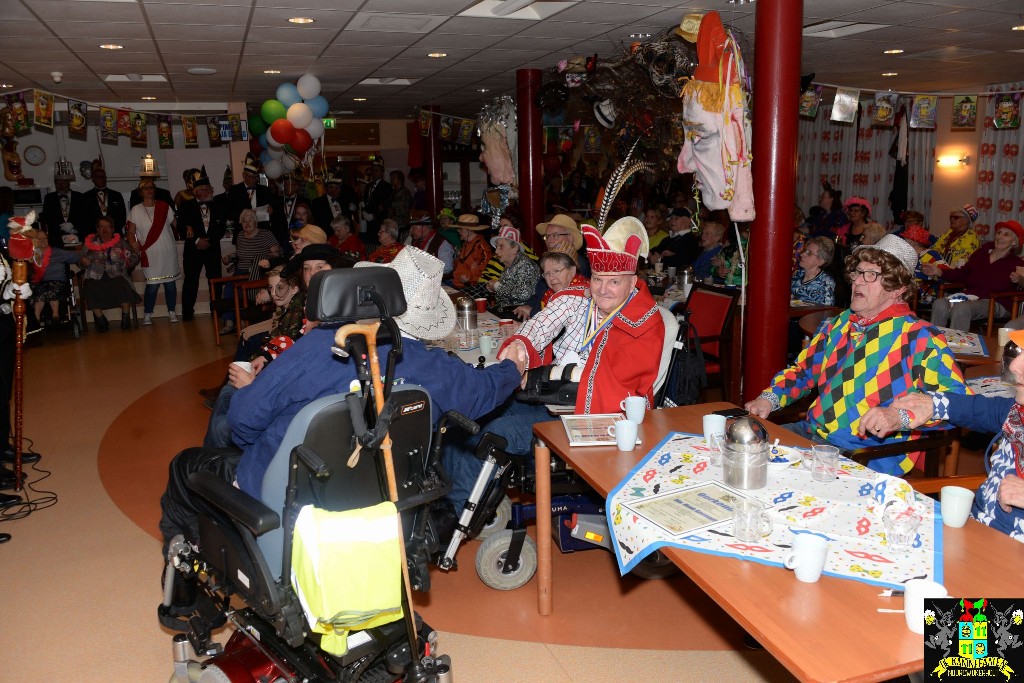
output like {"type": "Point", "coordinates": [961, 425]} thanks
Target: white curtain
{"type": "Point", "coordinates": [1000, 179]}
{"type": "Point", "coordinates": [855, 159]}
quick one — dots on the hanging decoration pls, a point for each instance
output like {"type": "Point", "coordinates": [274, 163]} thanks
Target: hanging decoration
{"type": "Point", "coordinates": [77, 116]}
{"type": "Point", "coordinates": [235, 121]}
{"type": "Point", "coordinates": [43, 102]}
{"type": "Point", "coordinates": [288, 128]}
{"type": "Point", "coordinates": [213, 130]}
{"type": "Point", "coordinates": [190, 131]}
{"type": "Point", "coordinates": [124, 122]}
{"type": "Point", "coordinates": [108, 125]}
{"type": "Point", "coordinates": [885, 109]}
{"type": "Point", "coordinates": [923, 111]}
{"type": "Point", "coordinates": [19, 112]}
{"type": "Point", "coordinates": [809, 101]}
{"type": "Point", "coordinates": [164, 136]}
{"type": "Point", "coordinates": [140, 130]}
{"type": "Point", "coordinates": [965, 112]}
{"type": "Point", "coordinates": [499, 141]}
{"type": "Point", "coordinates": [453, 129]}
{"type": "Point", "coordinates": [1007, 112]}
{"type": "Point", "coordinates": [844, 106]}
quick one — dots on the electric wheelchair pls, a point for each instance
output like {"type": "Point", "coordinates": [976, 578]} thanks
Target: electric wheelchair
{"type": "Point", "coordinates": [330, 457]}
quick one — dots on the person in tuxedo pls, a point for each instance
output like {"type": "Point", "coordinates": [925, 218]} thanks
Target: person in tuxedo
{"type": "Point", "coordinates": [339, 199]}
{"type": "Point", "coordinates": [223, 202]}
{"type": "Point", "coordinates": [376, 198]}
{"type": "Point", "coordinates": [202, 225]}
{"type": "Point", "coordinates": [101, 202]}
{"type": "Point", "coordinates": [249, 194]}
{"type": "Point", "coordinates": [292, 195]}
{"type": "Point", "coordinates": [64, 213]}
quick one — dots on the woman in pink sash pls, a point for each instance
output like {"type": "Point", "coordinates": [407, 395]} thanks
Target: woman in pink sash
{"type": "Point", "coordinates": [151, 234]}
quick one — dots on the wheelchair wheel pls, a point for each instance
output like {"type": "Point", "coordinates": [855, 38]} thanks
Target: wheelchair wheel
{"type": "Point", "coordinates": [500, 521]}
{"type": "Point", "coordinates": [195, 672]}
{"type": "Point", "coordinates": [655, 566]}
{"type": "Point", "coordinates": [491, 556]}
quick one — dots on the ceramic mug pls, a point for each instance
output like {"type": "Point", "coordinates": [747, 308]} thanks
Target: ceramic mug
{"type": "Point", "coordinates": [634, 407]}
{"type": "Point", "coordinates": [624, 432]}
{"type": "Point", "coordinates": [807, 557]}
{"type": "Point", "coordinates": [487, 344]}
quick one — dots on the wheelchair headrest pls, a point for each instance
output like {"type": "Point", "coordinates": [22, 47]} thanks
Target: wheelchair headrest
{"type": "Point", "coordinates": [345, 294]}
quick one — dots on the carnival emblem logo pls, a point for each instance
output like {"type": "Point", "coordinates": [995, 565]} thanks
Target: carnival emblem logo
{"type": "Point", "coordinates": [973, 637]}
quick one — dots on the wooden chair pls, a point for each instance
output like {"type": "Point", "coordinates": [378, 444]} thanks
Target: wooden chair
{"type": "Point", "coordinates": [246, 310]}
{"type": "Point", "coordinates": [941, 448]}
{"type": "Point", "coordinates": [712, 310]}
{"type": "Point", "coordinates": [1016, 298]}
{"type": "Point", "coordinates": [219, 304]}
{"type": "Point", "coordinates": [934, 485]}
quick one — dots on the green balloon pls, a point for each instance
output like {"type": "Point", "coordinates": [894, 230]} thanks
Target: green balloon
{"type": "Point", "coordinates": [272, 110]}
{"type": "Point", "coordinates": [257, 126]}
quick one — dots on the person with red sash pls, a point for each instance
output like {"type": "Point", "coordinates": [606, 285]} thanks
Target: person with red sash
{"type": "Point", "coordinates": [613, 329]}
{"type": "Point", "coordinates": [151, 235]}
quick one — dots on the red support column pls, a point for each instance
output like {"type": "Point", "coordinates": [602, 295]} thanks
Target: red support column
{"type": "Point", "coordinates": [432, 163]}
{"type": "Point", "coordinates": [531, 181]}
{"type": "Point", "coordinates": [777, 33]}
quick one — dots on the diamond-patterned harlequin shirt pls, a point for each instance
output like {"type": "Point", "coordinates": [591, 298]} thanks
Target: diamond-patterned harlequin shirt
{"type": "Point", "coordinates": [856, 366]}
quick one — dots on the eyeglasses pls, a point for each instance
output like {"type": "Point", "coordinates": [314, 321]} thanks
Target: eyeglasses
{"type": "Point", "coordinates": [279, 288]}
{"type": "Point", "coordinates": [867, 275]}
{"type": "Point", "coordinates": [552, 235]}
{"type": "Point", "coordinates": [808, 252]}
{"type": "Point", "coordinates": [553, 272]}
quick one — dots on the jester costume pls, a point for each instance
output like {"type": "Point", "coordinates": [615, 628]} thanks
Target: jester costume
{"type": "Point", "coordinates": [855, 365]}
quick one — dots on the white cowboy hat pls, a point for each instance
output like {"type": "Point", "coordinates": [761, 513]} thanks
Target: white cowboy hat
{"type": "Point", "coordinates": [429, 312]}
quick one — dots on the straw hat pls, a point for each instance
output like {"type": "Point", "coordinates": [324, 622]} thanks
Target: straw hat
{"type": "Point", "coordinates": [429, 312]}
{"type": "Point", "coordinates": [313, 234]}
{"type": "Point", "coordinates": [470, 221]}
{"type": "Point", "coordinates": [567, 222]}
{"type": "Point", "coordinates": [689, 26]}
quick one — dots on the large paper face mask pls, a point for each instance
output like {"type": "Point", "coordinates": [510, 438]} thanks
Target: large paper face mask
{"type": "Point", "coordinates": [495, 155]}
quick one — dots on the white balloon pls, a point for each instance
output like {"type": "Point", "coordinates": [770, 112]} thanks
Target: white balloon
{"type": "Point", "coordinates": [275, 152]}
{"type": "Point", "coordinates": [315, 128]}
{"type": "Point", "coordinates": [288, 163]}
{"type": "Point", "coordinates": [308, 86]}
{"type": "Point", "coordinates": [271, 142]}
{"type": "Point", "coordinates": [274, 170]}
{"type": "Point", "coordinates": [299, 114]}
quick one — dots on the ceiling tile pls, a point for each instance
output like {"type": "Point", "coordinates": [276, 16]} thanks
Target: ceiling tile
{"type": "Point", "coordinates": [174, 32]}
{"type": "Point", "coordinates": [606, 12]}
{"type": "Point", "coordinates": [567, 29]}
{"type": "Point", "coordinates": [293, 36]}
{"type": "Point", "coordinates": [417, 6]}
{"type": "Point", "coordinates": [197, 14]}
{"type": "Point", "coordinates": [61, 10]}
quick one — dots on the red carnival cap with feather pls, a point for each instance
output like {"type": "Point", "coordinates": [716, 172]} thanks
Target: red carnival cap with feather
{"type": "Point", "coordinates": [20, 245]}
{"type": "Point", "coordinates": [618, 250]}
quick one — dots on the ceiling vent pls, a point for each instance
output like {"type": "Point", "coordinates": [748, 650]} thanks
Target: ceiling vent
{"type": "Point", "coordinates": [839, 29]}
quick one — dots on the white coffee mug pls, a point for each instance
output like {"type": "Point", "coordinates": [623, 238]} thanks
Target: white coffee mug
{"type": "Point", "coordinates": [956, 502]}
{"type": "Point", "coordinates": [624, 432]}
{"type": "Point", "coordinates": [659, 267]}
{"type": "Point", "coordinates": [915, 592]}
{"type": "Point", "coordinates": [635, 407]}
{"type": "Point", "coordinates": [1004, 335]}
{"type": "Point", "coordinates": [713, 424]}
{"type": "Point", "coordinates": [807, 557]}
{"type": "Point", "coordinates": [243, 364]}
{"type": "Point", "coordinates": [486, 344]}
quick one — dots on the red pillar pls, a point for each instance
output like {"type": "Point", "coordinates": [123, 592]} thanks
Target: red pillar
{"type": "Point", "coordinates": [777, 34]}
{"type": "Point", "coordinates": [432, 162]}
{"type": "Point", "coordinates": [531, 182]}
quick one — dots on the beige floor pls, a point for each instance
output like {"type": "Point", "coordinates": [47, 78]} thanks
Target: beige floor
{"type": "Point", "coordinates": [81, 580]}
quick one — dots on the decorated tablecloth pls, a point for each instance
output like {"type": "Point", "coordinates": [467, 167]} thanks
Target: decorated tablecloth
{"type": "Point", "coordinates": [992, 386]}
{"type": "Point", "coordinates": [675, 497]}
{"type": "Point", "coordinates": [965, 343]}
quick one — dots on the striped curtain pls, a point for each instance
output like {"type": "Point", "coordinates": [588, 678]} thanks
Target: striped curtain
{"type": "Point", "coordinates": [1000, 179]}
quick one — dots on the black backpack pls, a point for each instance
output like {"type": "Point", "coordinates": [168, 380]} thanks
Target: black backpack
{"type": "Point", "coordinates": [687, 375]}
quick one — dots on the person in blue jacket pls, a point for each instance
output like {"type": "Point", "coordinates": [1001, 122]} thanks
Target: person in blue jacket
{"type": "Point", "coordinates": [999, 501]}
{"type": "Point", "coordinates": [261, 412]}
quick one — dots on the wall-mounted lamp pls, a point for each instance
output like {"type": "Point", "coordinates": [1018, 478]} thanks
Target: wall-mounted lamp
{"type": "Point", "coordinates": [949, 161]}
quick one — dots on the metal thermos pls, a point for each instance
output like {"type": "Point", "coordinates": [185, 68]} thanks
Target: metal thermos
{"type": "Point", "coordinates": [465, 313]}
{"type": "Point", "coordinates": [745, 454]}
{"type": "Point", "coordinates": [684, 281]}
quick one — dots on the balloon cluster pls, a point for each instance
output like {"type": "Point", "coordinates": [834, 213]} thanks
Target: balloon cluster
{"type": "Point", "coordinates": [288, 126]}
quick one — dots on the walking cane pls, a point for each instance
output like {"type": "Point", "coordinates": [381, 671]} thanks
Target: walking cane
{"type": "Point", "coordinates": [369, 331]}
{"type": "Point", "coordinates": [19, 275]}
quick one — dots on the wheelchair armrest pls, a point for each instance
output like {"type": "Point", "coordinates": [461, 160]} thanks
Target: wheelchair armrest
{"type": "Point", "coordinates": [235, 503]}
{"type": "Point", "coordinates": [930, 441]}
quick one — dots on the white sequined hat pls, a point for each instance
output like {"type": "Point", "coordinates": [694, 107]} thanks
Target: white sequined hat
{"type": "Point", "coordinates": [429, 312]}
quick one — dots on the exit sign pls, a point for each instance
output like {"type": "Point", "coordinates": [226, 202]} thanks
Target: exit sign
{"type": "Point", "coordinates": [328, 123]}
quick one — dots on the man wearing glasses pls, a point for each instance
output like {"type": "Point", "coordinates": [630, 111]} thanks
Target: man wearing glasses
{"type": "Point", "coordinates": [869, 355]}
{"type": "Point", "coordinates": [562, 234]}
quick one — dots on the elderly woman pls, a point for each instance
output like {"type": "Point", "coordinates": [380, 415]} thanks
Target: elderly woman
{"type": "Point", "coordinates": [872, 233]}
{"type": "Point", "coordinates": [345, 240]}
{"type": "Point", "coordinates": [711, 243]}
{"type": "Point", "coordinates": [151, 234]}
{"type": "Point", "coordinates": [558, 269]}
{"type": "Point", "coordinates": [999, 502]}
{"type": "Point", "coordinates": [990, 269]}
{"type": "Point", "coordinates": [518, 280]}
{"type": "Point", "coordinates": [253, 243]}
{"type": "Point", "coordinates": [389, 244]}
{"type": "Point", "coordinates": [495, 266]}
{"type": "Point", "coordinates": [106, 284]}
{"type": "Point", "coordinates": [858, 210]}
{"type": "Point", "coordinates": [474, 253]}
{"type": "Point", "coordinates": [49, 273]}
{"type": "Point", "coordinates": [810, 282]}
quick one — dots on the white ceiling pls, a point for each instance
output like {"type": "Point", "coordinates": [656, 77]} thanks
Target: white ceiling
{"type": "Point", "coordinates": [950, 45]}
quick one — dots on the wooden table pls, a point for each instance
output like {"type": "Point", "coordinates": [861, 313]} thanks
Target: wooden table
{"type": "Point", "coordinates": [806, 309]}
{"type": "Point", "coordinates": [809, 628]}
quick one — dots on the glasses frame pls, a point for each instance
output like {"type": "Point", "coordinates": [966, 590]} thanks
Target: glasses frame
{"type": "Point", "coordinates": [863, 274]}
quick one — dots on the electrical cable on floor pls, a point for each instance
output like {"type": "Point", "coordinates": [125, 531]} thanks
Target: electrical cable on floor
{"type": "Point", "coordinates": [43, 500]}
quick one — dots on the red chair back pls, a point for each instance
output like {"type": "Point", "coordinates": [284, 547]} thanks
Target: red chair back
{"type": "Point", "coordinates": [711, 313]}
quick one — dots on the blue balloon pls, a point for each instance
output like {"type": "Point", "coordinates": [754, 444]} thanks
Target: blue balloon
{"type": "Point", "coordinates": [264, 157]}
{"type": "Point", "coordinates": [288, 94]}
{"type": "Point", "coordinates": [263, 141]}
{"type": "Point", "coordinates": [319, 106]}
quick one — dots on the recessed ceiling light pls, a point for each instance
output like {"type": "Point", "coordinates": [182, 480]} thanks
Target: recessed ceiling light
{"type": "Point", "coordinates": [112, 46]}
{"type": "Point", "coordinates": [892, 52]}
{"type": "Point", "coordinates": [1018, 28]}
{"type": "Point", "coordinates": [437, 55]}
{"type": "Point", "coordinates": [358, 99]}
{"type": "Point", "coordinates": [148, 97]}
{"type": "Point", "coordinates": [639, 35]}
{"type": "Point", "coordinates": [483, 90]}
{"type": "Point", "coordinates": [6, 85]}
{"type": "Point", "coordinates": [271, 71]}
{"type": "Point", "coordinates": [890, 73]}
{"type": "Point", "coordinates": [301, 20]}
{"type": "Point", "coordinates": [202, 71]}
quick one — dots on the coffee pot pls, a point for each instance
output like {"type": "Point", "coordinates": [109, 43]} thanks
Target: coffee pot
{"type": "Point", "coordinates": [745, 454]}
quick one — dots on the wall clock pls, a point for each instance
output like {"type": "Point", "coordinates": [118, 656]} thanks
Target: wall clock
{"type": "Point", "coordinates": [35, 155]}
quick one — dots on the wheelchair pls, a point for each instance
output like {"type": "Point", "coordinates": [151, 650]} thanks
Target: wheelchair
{"type": "Point", "coordinates": [328, 458]}
{"type": "Point", "coordinates": [67, 315]}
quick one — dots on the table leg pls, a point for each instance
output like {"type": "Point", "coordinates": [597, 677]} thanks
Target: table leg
{"type": "Point", "coordinates": [542, 465]}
